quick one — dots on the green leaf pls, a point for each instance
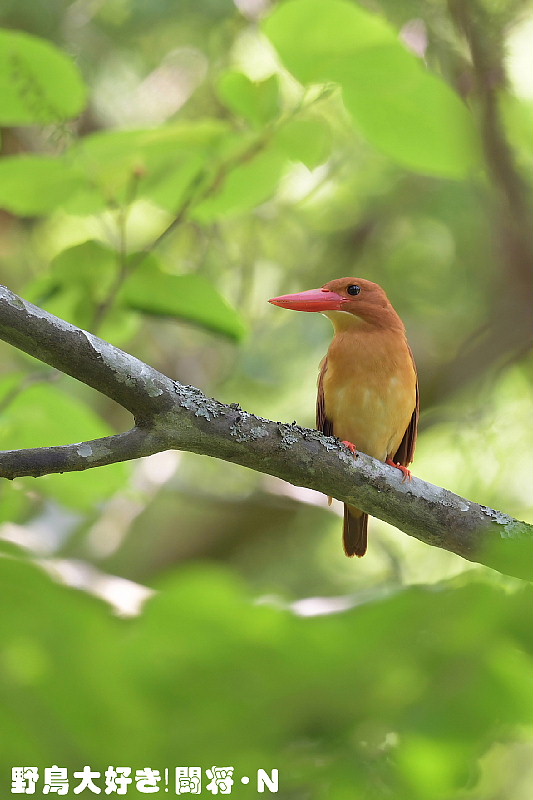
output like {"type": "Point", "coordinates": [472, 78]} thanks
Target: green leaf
{"type": "Point", "coordinates": [112, 167]}
{"type": "Point", "coordinates": [245, 187]}
{"type": "Point", "coordinates": [33, 185]}
{"type": "Point", "coordinates": [89, 265]}
{"type": "Point", "coordinates": [410, 113]}
{"type": "Point", "coordinates": [405, 111]}
{"type": "Point", "coordinates": [313, 37]}
{"type": "Point", "coordinates": [157, 163]}
{"type": "Point", "coordinates": [257, 102]}
{"type": "Point", "coordinates": [49, 656]}
{"type": "Point", "coordinates": [44, 416]}
{"type": "Point", "coordinates": [105, 685]}
{"type": "Point", "coordinates": [10, 384]}
{"type": "Point", "coordinates": [305, 140]}
{"type": "Point", "coordinates": [39, 84]}
{"type": "Point", "coordinates": [187, 297]}
{"type": "Point", "coordinates": [79, 279]}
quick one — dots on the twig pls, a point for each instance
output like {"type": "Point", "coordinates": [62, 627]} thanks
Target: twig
{"type": "Point", "coordinates": [124, 269]}
{"type": "Point", "coordinates": [195, 194]}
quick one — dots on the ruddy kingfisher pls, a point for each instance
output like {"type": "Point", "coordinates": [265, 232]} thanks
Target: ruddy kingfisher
{"type": "Point", "coordinates": [367, 385]}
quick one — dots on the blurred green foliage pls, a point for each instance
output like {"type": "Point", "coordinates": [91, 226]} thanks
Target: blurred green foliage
{"type": "Point", "coordinates": [165, 169]}
{"type": "Point", "coordinates": [412, 687]}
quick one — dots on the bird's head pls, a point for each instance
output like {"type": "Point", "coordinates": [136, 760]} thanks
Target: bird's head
{"type": "Point", "coordinates": [358, 298]}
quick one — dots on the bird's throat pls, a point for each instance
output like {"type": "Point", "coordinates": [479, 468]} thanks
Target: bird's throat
{"type": "Point", "coordinates": [344, 320]}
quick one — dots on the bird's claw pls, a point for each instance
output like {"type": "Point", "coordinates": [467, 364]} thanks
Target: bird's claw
{"type": "Point", "coordinates": [407, 474]}
{"type": "Point", "coordinates": [351, 447]}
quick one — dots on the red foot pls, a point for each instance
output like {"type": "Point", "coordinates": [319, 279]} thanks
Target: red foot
{"type": "Point", "coordinates": [407, 474]}
{"type": "Point", "coordinates": [351, 447]}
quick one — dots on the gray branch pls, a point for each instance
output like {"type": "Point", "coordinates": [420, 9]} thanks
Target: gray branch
{"type": "Point", "coordinates": [169, 415]}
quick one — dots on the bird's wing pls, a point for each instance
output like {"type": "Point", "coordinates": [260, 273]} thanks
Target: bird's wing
{"type": "Point", "coordinates": [406, 451]}
{"type": "Point", "coordinates": [322, 422]}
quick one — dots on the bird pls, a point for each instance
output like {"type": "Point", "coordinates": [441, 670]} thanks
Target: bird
{"type": "Point", "coordinates": [368, 394]}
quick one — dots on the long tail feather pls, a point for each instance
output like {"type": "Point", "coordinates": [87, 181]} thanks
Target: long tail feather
{"type": "Point", "coordinates": [354, 534]}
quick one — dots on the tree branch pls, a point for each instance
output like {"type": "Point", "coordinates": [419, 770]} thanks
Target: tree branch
{"type": "Point", "coordinates": [137, 387]}
{"type": "Point", "coordinates": [509, 212]}
{"type": "Point", "coordinates": [170, 415]}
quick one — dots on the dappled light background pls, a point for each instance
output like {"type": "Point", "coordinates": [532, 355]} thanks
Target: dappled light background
{"type": "Point", "coordinates": [181, 610]}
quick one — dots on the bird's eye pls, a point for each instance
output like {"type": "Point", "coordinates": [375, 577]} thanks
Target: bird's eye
{"type": "Point", "coordinates": [353, 289]}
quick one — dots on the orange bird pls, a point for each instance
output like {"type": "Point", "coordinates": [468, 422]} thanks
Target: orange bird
{"type": "Point", "coordinates": [367, 386]}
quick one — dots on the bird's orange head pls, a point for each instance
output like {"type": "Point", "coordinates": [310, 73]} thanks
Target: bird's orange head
{"type": "Point", "coordinates": [358, 297]}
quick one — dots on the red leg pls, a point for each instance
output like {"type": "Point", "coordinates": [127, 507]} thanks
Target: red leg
{"type": "Point", "coordinates": [351, 447]}
{"type": "Point", "coordinates": [407, 475]}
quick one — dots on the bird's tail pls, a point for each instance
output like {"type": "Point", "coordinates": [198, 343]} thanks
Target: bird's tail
{"type": "Point", "coordinates": [354, 531]}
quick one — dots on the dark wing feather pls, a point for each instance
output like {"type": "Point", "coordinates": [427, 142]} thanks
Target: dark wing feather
{"type": "Point", "coordinates": [322, 422]}
{"type": "Point", "coordinates": [354, 532]}
{"type": "Point", "coordinates": [406, 451]}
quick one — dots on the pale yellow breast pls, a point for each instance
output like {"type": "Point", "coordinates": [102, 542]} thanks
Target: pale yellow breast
{"type": "Point", "coordinates": [370, 390]}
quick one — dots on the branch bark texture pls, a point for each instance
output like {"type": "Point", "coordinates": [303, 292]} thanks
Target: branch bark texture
{"type": "Point", "coordinates": [170, 415]}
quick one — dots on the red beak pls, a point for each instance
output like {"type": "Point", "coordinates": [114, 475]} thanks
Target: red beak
{"type": "Point", "coordinates": [313, 300]}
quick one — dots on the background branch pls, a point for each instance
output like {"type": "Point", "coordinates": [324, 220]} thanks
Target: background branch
{"type": "Point", "coordinates": [508, 207]}
{"type": "Point", "coordinates": [171, 415]}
